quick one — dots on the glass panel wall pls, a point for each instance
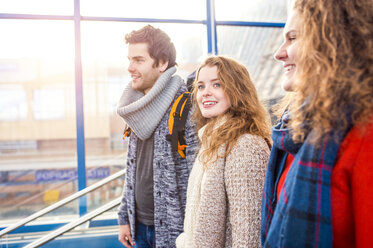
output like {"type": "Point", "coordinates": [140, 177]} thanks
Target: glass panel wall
{"type": "Point", "coordinates": [45, 7]}
{"type": "Point", "coordinates": [37, 115]}
{"type": "Point", "coordinates": [255, 48]}
{"type": "Point", "coordinates": [170, 9]}
{"type": "Point", "coordinates": [251, 11]}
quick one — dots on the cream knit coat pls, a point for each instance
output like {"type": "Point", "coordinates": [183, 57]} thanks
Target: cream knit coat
{"type": "Point", "coordinates": [224, 201]}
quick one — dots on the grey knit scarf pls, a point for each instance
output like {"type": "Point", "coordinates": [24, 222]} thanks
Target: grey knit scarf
{"type": "Point", "coordinates": [143, 113]}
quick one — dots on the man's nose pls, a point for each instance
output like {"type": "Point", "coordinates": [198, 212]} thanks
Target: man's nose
{"type": "Point", "coordinates": [131, 68]}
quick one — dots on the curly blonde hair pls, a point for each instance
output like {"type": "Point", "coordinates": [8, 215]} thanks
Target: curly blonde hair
{"type": "Point", "coordinates": [334, 78]}
{"type": "Point", "coordinates": [246, 114]}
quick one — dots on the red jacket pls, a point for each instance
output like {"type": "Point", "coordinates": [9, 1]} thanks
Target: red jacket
{"type": "Point", "coordinates": [352, 191]}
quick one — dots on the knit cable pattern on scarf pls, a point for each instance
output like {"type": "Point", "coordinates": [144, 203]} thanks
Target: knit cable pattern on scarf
{"type": "Point", "coordinates": [142, 112]}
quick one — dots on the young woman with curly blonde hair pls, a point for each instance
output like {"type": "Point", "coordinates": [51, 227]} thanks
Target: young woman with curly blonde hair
{"type": "Point", "coordinates": [323, 198]}
{"type": "Point", "coordinates": [226, 182]}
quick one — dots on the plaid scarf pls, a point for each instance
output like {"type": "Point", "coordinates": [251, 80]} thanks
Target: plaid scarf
{"type": "Point", "coordinates": [302, 215]}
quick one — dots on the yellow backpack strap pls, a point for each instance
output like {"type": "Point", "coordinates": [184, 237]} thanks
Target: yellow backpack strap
{"type": "Point", "coordinates": [176, 123]}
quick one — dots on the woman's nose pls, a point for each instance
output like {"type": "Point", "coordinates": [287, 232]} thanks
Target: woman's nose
{"type": "Point", "coordinates": [281, 53]}
{"type": "Point", "coordinates": [206, 91]}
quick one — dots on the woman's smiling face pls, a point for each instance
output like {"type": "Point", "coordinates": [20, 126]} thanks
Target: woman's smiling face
{"type": "Point", "coordinates": [211, 98]}
{"type": "Point", "coordinates": [288, 51]}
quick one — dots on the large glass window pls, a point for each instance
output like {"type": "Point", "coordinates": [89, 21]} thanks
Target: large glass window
{"type": "Point", "coordinates": [13, 101]}
{"type": "Point", "coordinates": [255, 48]}
{"type": "Point", "coordinates": [45, 7]}
{"type": "Point", "coordinates": [164, 9]}
{"type": "Point", "coordinates": [37, 114]}
{"type": "Point", "coordinates": [253, 10]}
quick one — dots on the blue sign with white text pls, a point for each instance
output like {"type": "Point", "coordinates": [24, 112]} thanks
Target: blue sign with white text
{"type": "Point", "coordinates": [70, 174]}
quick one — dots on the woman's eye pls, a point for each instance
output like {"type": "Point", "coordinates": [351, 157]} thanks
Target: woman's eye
{"type": "Point", "coordinates": [200, 87]}
{"type": "Point", "coordinates": [216, 85]}
{"type": "Point", "coordinates": [292, 36]}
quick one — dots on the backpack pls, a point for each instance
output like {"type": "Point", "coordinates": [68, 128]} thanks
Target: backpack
{"type": "Point", "coordinates": [176, 123]}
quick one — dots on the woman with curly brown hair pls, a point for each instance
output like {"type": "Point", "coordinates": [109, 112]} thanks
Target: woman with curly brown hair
{"type": "Point", "coordinates": [326, 196]}
{"type": "Point", "coordinates": [226, 182]}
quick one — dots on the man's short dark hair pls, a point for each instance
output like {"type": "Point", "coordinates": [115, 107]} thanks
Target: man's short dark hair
{"type": "Point", "coordinates": [160, 47]}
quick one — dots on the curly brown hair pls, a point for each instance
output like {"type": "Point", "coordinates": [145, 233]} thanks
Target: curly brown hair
{"type": "Point", "coordinates": [246, 114]}
{"type": "Point", "coordinates": [334, 78]}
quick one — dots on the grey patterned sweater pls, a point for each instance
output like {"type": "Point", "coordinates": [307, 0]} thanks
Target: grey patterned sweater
{"type": "Point", "coordinates": [171, 174]}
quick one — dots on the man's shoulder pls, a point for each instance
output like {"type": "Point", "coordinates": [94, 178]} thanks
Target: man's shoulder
{"type": "Point", "coordinates": [181, 90]}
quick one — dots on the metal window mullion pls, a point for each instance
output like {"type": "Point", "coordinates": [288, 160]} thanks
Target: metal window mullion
{"type": "Point", "coordinates": [80, 142]}
{"type": "Point", "coordinates": [211, 28]}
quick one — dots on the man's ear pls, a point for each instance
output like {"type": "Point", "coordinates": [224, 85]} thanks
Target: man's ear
{"type": "Point", "coordinates": [162, 66]}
